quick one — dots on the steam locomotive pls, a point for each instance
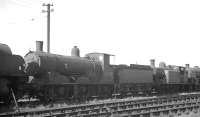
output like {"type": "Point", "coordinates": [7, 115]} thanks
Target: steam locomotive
{"type": "Point", "coordinates": [48, 76]}
{"type": "Point", "coordinates": [11, 72]}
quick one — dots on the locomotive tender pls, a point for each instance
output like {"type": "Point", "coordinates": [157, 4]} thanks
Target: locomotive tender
{"type": "Point", "coordinates": [53, 76]}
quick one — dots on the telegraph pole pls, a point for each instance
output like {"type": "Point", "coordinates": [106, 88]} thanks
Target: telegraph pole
{"type": "Point", "coordinates": [49, 10]}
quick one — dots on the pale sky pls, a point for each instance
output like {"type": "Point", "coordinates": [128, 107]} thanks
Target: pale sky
{"type": "Point", "coordinates": [133, 30]}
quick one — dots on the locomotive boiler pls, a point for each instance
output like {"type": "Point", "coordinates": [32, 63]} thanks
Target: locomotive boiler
{"type": "Point", "coordinates": [38, 63]}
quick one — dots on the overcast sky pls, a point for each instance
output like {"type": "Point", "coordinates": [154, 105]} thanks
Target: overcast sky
{"type": "Point", "coordinates": [133, 30]}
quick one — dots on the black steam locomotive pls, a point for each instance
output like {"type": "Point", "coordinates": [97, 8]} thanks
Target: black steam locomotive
{"type": "Point", "coordinates": [11, 72]}
{"type": "Point", "coordinates": [49, 76]}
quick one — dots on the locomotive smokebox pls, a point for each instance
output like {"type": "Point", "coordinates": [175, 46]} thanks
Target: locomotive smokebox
{"type": "Point", "coordinates": [75, 51]}
{"type": "Point", "coordinates": [39, 46]}
{"type": "Point", "coordinates": [152, 62]}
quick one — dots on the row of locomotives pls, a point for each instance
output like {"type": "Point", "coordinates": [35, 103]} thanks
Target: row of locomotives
{"type": "Point", "coordinates": [175, 79]}
{"type": "Point", "coordinates": [11, 74]}
{"type": "Point", "coordinates": [50, 77]}
{"type": "Point", "coordinates": [55, 77]}
{"type": "Point", "coordinates": [143, 80]}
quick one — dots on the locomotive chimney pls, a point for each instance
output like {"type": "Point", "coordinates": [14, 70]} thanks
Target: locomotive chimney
{"type": "Point", "coordinates": [187, 65]}
{"type": "Point", "coordinates": [39, 46]}
{"type": "Point", "coordinates": [75, 51]}
{"type": "Point", "coordinates": [152, 62]}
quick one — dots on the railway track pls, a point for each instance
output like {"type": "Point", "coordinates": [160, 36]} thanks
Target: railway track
{"type": "Point", "coordinates": [145, 107]}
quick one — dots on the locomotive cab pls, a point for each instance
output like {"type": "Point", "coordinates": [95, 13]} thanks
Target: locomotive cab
{"type": "Point", "coordinates": [103, 58]}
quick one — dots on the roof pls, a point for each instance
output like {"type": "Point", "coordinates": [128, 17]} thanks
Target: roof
{"type": "Point", "coordinates": [101, 53]}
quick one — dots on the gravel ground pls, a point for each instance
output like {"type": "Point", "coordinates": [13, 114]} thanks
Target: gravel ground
{"type": "Point", "coordinates": [192, 114]}
{"type": "Point", "coordinates": [39, 107]}
{"type": "Point", "coordinates": [186, 114]}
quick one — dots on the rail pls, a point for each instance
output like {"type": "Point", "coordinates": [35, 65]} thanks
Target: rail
{"type": "Point", "coordinates": [148, 107]}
